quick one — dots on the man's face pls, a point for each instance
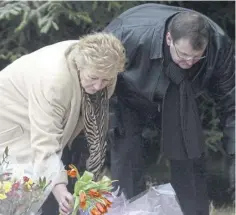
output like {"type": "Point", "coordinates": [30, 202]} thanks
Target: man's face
{"type": "Point", "coordinates": [182, 52]}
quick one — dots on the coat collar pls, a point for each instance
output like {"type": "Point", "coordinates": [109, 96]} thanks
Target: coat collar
{"type": "Point", "coordinates": [157, 43]}
{"type": "Point", "coordinates": [75, 108]}
{"type": "Point", "coordinates": [158, 39]}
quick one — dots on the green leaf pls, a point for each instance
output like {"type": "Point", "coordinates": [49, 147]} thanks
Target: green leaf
{"type": "Point", "coordinates": [94, 5]}
{"type": "Point", "coordinates": [91, 185]}
{"type": "Point", "coordinates": [44, 180]}
{"type": "Point", "coordinates": [84, 17]}
{"type": "Point", "coordinates": [42, 21]}
{"type": "Point", "coordinates": [6, 151]}
{"type": "Point", "coordinates": [76, 204]}
{"type": "Point", "coordinates": [14, 12]}
{"type": "Point", "coordinates": [106, 179]}
{"type": "Point", "coordinates": [46, 27]}
{"type": "Point", "coordinates": [79, 185]}
{"type": "Point", "coordinates": [23, 22]}
{"type": "Point", "coordinates": [87, 177]}
{"type": "Point", "coordinates": [55, 26]}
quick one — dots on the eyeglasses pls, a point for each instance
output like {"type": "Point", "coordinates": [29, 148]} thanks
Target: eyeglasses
{"type": "Point", "coordinates": [182, 57]}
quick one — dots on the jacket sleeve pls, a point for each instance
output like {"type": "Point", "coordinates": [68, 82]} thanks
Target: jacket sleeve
{"type": "Point", "coordinates": [49, 99]}
{"type": "Point", "coordinates": [222, 88]}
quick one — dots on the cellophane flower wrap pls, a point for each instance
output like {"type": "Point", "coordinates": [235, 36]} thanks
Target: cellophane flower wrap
{"type": "Point", "coordinates": [25, 187]}
{"type": "Point", "coordinates": [91, 198]}
{"type": "Point", "coordinates": [157, 200]}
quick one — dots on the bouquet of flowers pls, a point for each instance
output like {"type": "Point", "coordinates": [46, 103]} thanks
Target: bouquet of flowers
{"type": "Point", "coordinates": [90, 196]}
{"type": "Point", "coordinates": [24, 187]}
{"type": "Point", "coordinates": [96, 198]}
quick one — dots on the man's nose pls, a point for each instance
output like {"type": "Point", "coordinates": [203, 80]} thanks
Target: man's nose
{"type": "Point", "coordinates": [190, 62]}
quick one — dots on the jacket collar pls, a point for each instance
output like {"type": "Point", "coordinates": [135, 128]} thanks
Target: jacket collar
{"type": "Point", "coordinates": [158, 39]}
{"type": "Point", "coordinates": [76, 95]}
{"type": "Point", "coordinates": [157, 43]}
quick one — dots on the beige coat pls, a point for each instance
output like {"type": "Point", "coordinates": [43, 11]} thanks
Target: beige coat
{"type": "Point", "coordinates": [40, 101]}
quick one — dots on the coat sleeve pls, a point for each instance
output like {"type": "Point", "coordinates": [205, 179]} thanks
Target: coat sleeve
{"type": "Point", "coordinates": [49, 99]}
{"type": "Point", "coordinates": [222, 88]}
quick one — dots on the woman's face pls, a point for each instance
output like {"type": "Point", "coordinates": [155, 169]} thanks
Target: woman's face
{"type": "Point", "coordinates": [92, 83]}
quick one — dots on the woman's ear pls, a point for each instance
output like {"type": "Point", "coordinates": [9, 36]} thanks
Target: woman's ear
{"type": "Point", "coordinates": [168, 38]}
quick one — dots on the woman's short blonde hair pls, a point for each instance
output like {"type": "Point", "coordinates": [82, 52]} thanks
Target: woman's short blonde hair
{"type": "Point", "coordinates": [102, 53]}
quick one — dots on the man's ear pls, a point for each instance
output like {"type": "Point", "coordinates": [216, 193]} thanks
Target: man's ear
{"type": "Point", "coordinates": [168, 38]}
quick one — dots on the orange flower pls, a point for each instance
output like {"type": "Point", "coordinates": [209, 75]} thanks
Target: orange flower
{"type": "Point", "coordinates": [107, 202]}
{"type": "Point", "coordinates": [95, 211]}
{"type": "Point", "coordinates": [72, 172]}
{"type": "Point", "coordinates": [82, 205]}
{"type": "Point", "coordinates": [94, 193]}
{"type": "Point", "coordinates": [101, 207]}
{"type": "Point", "coordinates": [82, 200]}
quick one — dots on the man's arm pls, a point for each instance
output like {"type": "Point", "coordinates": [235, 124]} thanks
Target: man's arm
{"type": "Point", "coordinates": [222, 88]}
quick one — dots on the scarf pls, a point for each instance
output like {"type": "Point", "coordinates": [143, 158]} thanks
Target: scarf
{"type": "Point", "coordinates": [95, 110]}
{"type": "Point", "coordinates": [95, 115]}
{"type": "Point", "coordinates": [182, 134]}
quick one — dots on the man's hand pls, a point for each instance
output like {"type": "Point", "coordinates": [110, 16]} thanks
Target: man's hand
{"type": "Point", "coordinates": [64, 199]}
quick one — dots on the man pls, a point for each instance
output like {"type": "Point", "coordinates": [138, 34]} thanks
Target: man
{"type": "Point", "coordinates": [174, 55]}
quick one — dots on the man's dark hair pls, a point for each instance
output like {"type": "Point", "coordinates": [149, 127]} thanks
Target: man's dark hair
{"type": "Point", "coordinates": [192, 26]}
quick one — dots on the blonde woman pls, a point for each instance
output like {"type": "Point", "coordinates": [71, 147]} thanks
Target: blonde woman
{"type": "Point", "coordinates": [47, 98]}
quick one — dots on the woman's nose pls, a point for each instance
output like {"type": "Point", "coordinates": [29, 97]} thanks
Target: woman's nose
{"type": "Point", "coordinates": [98, 85]}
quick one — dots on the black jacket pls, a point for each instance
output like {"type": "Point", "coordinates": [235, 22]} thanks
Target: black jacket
{"type": "Point", "coordinates": [142, 31]}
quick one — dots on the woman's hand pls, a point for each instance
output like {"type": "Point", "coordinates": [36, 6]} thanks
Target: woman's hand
{"type": "Point", "coordinates": [64, 199]}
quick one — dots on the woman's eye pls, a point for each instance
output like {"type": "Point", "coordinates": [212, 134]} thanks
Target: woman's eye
{"type": "Point", "coordinates": [93, 78]}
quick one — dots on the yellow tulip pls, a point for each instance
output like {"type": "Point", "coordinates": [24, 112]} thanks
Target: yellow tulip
{"type": "Point", "coordinates": [5, 187]}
